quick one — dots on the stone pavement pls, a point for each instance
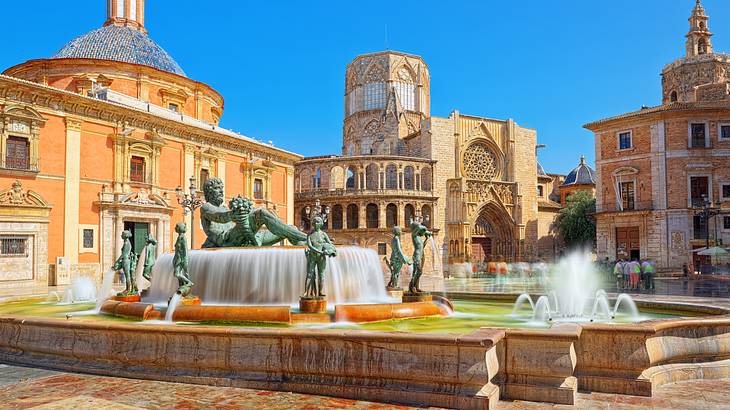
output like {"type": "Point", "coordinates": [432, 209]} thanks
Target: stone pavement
{"type": "Point", "coordinates": [27, 388]}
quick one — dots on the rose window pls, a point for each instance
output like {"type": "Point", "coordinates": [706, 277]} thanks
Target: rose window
{"type": "Point", "coordinates": [480, 163]}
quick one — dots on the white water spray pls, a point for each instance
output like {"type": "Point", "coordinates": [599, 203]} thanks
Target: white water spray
{"type": "Point", "coordinates": [105, 291]}
{"type": "Point", "coordinates": [271, 276]}
{"type": "Point", "coordinates": [174, 303]}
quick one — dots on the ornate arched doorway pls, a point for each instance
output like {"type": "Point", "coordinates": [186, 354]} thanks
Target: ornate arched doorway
{"type": "Point", "coordinates": [492, 235]}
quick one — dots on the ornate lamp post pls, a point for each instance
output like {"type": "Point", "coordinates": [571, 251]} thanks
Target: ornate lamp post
{"type": "Point", "coordinates": [706, 210]}
{"type": "Point", "coordinates": [312, 212]}
{"type": "Point", "coordinates": [190, 202]}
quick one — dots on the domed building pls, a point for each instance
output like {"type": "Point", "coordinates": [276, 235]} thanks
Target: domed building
{"type": "Point", "coordinates": [472, 180]}
{"type": "Point", "coordinates": [95, 140]}
{"type": "Point", "coordinates": [659, 168]}
{"type": "Point", "coordinates": [581, 178]}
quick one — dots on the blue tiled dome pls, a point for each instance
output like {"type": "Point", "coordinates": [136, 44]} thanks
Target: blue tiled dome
{"type": "Point", "coordinates": [118, 43]}
{"type": "Point", "coordinates": [581, 175]}
{"type": "Point", "coordinates": [541, 171]}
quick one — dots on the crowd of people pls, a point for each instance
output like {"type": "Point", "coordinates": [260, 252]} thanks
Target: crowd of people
{"type": "Point", "coordinates": [632, 274]}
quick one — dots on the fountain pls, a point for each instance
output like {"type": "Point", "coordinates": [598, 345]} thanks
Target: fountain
{"type": "Point", "coordinates": [81, 290]}
{"type": "Point", "coordinates": [574, 296]}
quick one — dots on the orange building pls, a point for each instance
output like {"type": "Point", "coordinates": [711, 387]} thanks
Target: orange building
{"type": "Point", "coordinates": [97, 138]}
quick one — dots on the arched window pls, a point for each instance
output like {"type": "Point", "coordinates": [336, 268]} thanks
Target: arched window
{"type": "Point", "coordinates": [673, 96]}
{"type": "Point", "coordinates": [426, 179]}
{"type": "Point", "coordinates": [304, 220]}
{"type": "Point", "coordinates": [350, 175]}
{"type": "Point", "coordinates": [409, 178]}
{"type": "Point", "coordinates": [305, 178]}
{"type": "Point", "coordinates": [426, 214]}
{"type": "Point", "coordinates": [352, 216]}
{"type": "Point", "coordinates": [391, 177]}
{"type": "Point", "coordinates": [337, 178]}
{"type": "Point", "coordinates": [371, 177]}
{"type": "Point", "coordinates": [391, 215]}
{"type": "Point", "coordinates": [372, 214]}
{"type": "Point", "coordinates": [336, 217]}
{"type": "Point", "coordinates": [702, 46]}
{"type": "Point", "coordinates": [410, 213]}
{"type": "Point", "coordinates": [317, 179]}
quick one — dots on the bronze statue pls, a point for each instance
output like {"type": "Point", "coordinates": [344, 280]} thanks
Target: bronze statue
{"type": "Point", "coordinates": [150, 253]}
{"type": "Point", "coordinates": [417, 231]}
{"type": "Point", "coordinates": [397, 259]}
{"type": "Point", "coordinates": [180, 261]}
{"type": "Point", "coordinates": [319, 247]}
{"type": "Point", "coordinates": [126, 263]}
{"type": "Point", "coordinates": [238, 225]}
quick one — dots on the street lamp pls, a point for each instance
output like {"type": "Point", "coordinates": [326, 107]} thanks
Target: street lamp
{"type": "Point", "coordinates": [706, 210]}
{"type": "Point", "coordinates": [190, 202]}
{"type": "Point", "coordinates": [313, 212]}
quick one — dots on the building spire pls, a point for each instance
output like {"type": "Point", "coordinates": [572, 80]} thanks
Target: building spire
{"type": "Point", "coordinates": [125, 13]}
{"type": "Point", "coordinates": [698, 38]}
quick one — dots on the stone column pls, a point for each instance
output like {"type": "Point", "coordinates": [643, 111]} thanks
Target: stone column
{"type": "Point", "coordinates": [361, 218]}
{"type": "Point", "coordinates": [71, 196]}
{"type": "Point", "coordinates": [381, 214]}
{"type": "Point", "coordinates": [401, 215]}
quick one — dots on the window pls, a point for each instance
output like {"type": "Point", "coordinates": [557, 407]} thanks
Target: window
{"type": "Point", "coordinates": [13, 246]}
{"type": "Point", "coordinates": [702, 46]}
{"type": "Point", "coordinates": [673, 96]}
{"type": "Point", "coordinates": [336, 217]}
{"type": "Point", "coordinates": [18, 153]}
{"type": "Point", "coordinates": [382, 248]}
{"type": "Point", "coordinates": [204, 175]}
{"type": "Point", "coordinates": [136, 169]}
{"type": "Point", "coordinates": [724, 132]}
{"type": "Point", "coordinates": [372, 214]}
{"type": "Point", "coordinates": [408, 178]}
{"type": "Point", "coordinates": [725, 191]}
{"type": "Point", "coordinates": [726, 222]}
{"type": "Point", "coordinates": [350, 181]}
{"type": "Point", "coordinates": [700, 227]}
{"type": "Point", "coordinates": [317, 179]}
{"type": "Point", "coordinates": [627, 196]}
{"type": "Point", "coordinates": [540, 191]}
{"type": "Point", "coordinates": [699, 190]}
{"type": "Point", "coordinates": [173, 107]}
{"type": "Point", "coordinates": [624, 140]}
{"type": "Point", "coordinates": [88, 238]}
{"type": "Point", "coordinates": [697, 135]}
{"type": "Point", "coordinates": [391, 215]}
{"type": "Point", "coordinates": [352, 216]}
{"type": "Point", "coordinates": [406, 95]}
{"type": "Point", "coordinates": [374, 96]}
{"type": "Point", "coordinates": [258, 189]}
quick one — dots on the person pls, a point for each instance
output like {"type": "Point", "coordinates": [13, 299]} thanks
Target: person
{"type": "Point", "coordinates": [627, 269]}
{"type": "Point", "coordinates": [648, 268]}
{"type": "Point", "coordinates": [635, 274]}
{"type": "Point", "coordinates": [618, 273]}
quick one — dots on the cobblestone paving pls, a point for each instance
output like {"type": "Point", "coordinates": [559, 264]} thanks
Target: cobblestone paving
{"type": "Point", "coordinates": [26, 388]}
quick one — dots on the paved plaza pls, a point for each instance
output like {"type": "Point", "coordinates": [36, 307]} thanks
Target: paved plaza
{"type": "Point", "coordinates": [26, 388]}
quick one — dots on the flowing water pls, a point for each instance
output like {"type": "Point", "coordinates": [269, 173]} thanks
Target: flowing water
{"type": "Point", "coordinates": [105, 291]}
{"type": "Point", "coordinates": [174, 303]}
{"type": "Point", "coordinates": [142, 283]}
{"type": "Point", "coordinates": [435, 257]}
{"type": "Point", "coordinates": [81, 290]}
{"type": "Point", "coordinates": [272, 275]}
{"type": "Point", "coordinates": [574, 294]}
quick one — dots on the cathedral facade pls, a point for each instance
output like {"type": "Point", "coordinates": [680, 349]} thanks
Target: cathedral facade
{"type": "Point", "coordinates": [95, 140]}
{"type": "Point", "coordinates": [473, 180]}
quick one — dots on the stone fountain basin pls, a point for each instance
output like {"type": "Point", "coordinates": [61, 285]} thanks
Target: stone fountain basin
{"type": "Point", "coordinates": [472, 370]}
{"type": "Point", "coordinates": [355, 313]}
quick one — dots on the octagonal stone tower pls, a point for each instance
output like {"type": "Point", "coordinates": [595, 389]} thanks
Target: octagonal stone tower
{"type": "Point", "coordinates": [386, 98]}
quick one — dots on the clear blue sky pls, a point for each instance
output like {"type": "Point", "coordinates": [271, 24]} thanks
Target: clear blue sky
{"type": "Point", "coordinates": [551, 65]}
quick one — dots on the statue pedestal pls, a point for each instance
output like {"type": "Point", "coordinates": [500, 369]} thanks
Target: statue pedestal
{"type": "Point", "coordinates": [417, 297]}
{"type": "Point", "coordinates": [394, 292]}
{"type": "Point", "coordinates": [190, 301]}
{"type": "Point", "coordinates": [312, 305]}
{"type": "Point", "coordinates": [128, 298]}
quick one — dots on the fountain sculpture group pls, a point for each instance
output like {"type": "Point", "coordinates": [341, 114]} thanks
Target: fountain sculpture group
{"type": "Point", "coordinates": [232, 229]}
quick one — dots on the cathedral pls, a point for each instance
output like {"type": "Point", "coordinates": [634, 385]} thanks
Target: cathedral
{"type": "Point", "coordinates": [474, 181]}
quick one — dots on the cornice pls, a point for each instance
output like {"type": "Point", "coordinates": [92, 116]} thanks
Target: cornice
{"type": "Point", "coordinates": [15, 90]}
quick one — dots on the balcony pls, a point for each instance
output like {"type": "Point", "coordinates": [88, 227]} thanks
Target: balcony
{"type": "Point", "coordinates": [323, 193]}
{"type": "Point", "coordinates": [638, 206]}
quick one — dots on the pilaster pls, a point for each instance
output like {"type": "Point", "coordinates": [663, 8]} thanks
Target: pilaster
{"type": "Point", "coordinates": [71, 190]}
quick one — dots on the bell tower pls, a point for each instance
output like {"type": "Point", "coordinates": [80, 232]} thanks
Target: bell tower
{"type": "Point", "coordinates": [698, 38]}
{"type": "Point", "coordinates": [127, 13]}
